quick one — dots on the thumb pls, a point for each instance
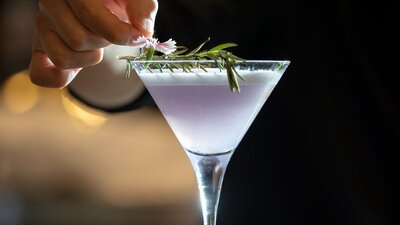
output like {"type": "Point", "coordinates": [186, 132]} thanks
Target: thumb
{"type": "Point", "coordinates": [142, 15]}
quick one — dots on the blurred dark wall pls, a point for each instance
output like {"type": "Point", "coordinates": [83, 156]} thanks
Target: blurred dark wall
{"type": "Point", "coordinates": [322, 150]}
{"type": "Point", "coordinates": [16, 23]}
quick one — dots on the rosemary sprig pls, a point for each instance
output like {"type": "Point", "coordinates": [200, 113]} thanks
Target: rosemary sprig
{"type": "Point", "coordinates": [224, 59]}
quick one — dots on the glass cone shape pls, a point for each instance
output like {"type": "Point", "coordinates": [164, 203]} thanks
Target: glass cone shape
{"type": "Point", "coordinates": [207, 118]}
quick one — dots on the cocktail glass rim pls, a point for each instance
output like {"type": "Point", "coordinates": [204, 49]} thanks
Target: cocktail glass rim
{"type": "Point", "coordinates": [206, 61]}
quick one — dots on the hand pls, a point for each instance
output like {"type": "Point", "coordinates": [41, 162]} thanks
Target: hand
{"type": "Point", "coordinates": [70, 34]}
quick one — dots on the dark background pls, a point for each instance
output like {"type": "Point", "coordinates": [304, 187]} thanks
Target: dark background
{"type": "Point", "coordinates": [322, 150]}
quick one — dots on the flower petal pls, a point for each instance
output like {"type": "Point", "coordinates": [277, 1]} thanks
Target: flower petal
{"type": "Point", "coordinates": [140, 42]}
{"type": "Point", "coordinates": [151, 42]}
{"type": "Point", "coordinates": [166, 47]}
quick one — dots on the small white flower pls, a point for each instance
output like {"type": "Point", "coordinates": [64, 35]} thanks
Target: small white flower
{"type": "Point", "coordinates": [165, 47]}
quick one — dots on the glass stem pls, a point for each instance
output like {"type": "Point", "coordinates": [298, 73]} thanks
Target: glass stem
{"type": "Point", "coordinates": [209, 170]}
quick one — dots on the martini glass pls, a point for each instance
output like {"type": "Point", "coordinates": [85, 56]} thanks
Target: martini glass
{"type": "Point", "coordinates": [207, 118]}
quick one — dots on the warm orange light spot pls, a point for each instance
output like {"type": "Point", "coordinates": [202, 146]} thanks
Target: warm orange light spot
{"type": "Point", "coordinates": [19, 94]}
{"type": "Point", "coordinates": [86, 116]}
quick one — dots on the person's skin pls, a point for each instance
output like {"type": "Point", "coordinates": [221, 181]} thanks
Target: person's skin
{"type": "Point", "coordinates": [70, 34]}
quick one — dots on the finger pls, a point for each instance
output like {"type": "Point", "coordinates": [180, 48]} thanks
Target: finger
{"type": "Point", "coordinates": [101, 21]}
{"type": "Point", "coordinates": [67, 26]}
{"type": "Point", "coordinates": [61, 55]}
{"type": "Point", "coordinates": [64, 57]}
{"type": "Point", "coordinates": [42, 72]}
{"type": "Point", "coordinates": [142, 15]}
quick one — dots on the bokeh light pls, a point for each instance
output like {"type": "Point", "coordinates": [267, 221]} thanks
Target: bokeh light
{"type": "Point", "coordinates": [19, 94]}
{"type": "Point", "coordinates": [85, 119]}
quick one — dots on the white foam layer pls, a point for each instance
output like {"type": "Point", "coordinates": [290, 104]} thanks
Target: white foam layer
{"type": "Point", "coordinates": [200, 77]}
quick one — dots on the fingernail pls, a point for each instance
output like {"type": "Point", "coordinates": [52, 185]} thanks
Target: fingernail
{"type": "Point", "coordinates": [148, 25]}
{"type": "Point", "coordinates": [145, 23]}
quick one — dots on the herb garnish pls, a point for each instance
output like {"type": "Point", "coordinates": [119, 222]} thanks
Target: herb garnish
{"type": "Point", "coordinates": [152, 49]}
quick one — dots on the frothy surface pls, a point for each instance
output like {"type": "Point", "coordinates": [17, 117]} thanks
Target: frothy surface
{"type": "Point", "coordinates": [200, 77]}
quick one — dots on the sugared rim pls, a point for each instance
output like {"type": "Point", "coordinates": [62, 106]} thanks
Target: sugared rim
{"type": "Point", "coordinates": [208, 61]}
